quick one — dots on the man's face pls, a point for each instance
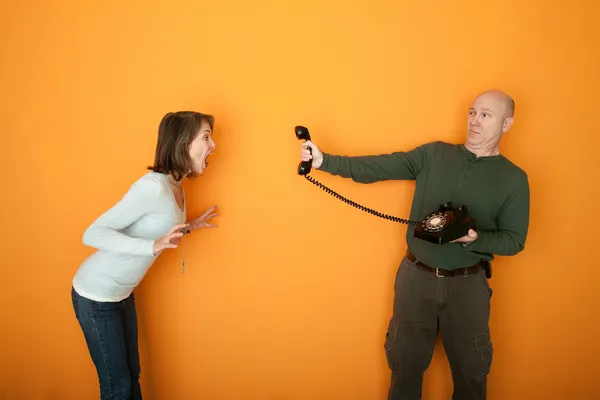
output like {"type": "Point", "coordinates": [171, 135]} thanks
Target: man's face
{"type": "Point", "coordinates": [488, 120]}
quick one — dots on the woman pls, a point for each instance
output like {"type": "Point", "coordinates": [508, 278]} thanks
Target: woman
{"type": "Point", "coordinates": [149, 219]}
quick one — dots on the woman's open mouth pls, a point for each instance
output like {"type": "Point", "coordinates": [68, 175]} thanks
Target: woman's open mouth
{"type": "Point", "coordinates": [206, 158]}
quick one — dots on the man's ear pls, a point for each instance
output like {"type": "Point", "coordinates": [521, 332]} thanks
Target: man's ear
{"type": "Point", "coordinates": [507, 124]}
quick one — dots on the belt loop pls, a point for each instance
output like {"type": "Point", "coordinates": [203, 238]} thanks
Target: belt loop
{"type": "Point", "coordinates": [416, 262]}
{"type": "Point", "coordinates": [465, 272]}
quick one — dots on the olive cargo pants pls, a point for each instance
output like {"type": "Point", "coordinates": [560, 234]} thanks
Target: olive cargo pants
{"type": "Point", "coordinates": [458, 307]}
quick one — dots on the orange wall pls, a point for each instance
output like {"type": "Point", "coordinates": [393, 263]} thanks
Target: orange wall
{"type": "Point", "coordinates": [288, 299]}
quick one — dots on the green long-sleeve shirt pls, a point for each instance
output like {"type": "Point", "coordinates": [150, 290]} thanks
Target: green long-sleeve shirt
{"type": "Point", "coordinates": [495, 191]}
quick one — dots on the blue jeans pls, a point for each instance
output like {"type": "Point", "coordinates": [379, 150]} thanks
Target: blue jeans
{"type": "Point", "coordinates": [111, 333]}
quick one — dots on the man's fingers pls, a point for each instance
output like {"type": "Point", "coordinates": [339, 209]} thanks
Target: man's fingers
{"type": "Point", "coordinates": [305, 155]}
{"type": "Point", "coordinates": [469, 237]}
{"type": "Point", "coordinates": [460, 239]}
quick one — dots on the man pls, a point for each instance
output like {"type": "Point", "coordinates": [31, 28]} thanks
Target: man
{"type": "Point", "coordinates": [444, 287]}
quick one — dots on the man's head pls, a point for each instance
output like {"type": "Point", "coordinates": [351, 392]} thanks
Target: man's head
{"type": "Point", "coordinates": [490, 115]}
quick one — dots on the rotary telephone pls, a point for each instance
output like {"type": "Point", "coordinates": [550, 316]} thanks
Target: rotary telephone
{"type": "Point", "coordinates": [441, 226]}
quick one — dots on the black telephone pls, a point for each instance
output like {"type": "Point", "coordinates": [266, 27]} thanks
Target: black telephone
{"type": "Point", "coordinates": [439, 227]}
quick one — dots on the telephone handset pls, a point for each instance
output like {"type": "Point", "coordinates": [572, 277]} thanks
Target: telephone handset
{"type": "Point", "coordinates": [439, 227]}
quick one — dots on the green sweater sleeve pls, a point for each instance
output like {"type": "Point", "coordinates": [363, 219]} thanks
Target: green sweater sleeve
{"type": "Point", "coordinates": [513, 224]}
{"type": "Point", "coordinates": [400, 165]}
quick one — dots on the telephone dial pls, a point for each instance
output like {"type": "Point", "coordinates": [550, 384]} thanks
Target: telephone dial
{"type": "Point", "coordinates": [441, 226]}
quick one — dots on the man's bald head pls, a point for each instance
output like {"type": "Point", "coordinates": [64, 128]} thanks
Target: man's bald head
{"type": "Point", "coordinates": [490, 115]}
{"type": "Point", "coordinates": [502, 98]}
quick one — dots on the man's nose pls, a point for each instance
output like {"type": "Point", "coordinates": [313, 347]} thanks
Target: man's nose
{"type": "Point", "coordinates": [474, 121]}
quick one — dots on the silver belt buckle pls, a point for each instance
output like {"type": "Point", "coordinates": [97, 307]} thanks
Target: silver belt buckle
{"type": "Point", "coordinates": [437, 273]}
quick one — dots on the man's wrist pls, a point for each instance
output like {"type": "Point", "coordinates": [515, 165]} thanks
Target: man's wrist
{"type": "Point", "coordinates": [323, 161]}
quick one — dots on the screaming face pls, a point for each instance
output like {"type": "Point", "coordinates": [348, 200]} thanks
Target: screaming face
{"type": "Point", "coordinates": [201, 147]}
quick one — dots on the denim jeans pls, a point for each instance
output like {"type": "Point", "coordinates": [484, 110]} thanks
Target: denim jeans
{"type": "Point", "coordinates": [111, 333]}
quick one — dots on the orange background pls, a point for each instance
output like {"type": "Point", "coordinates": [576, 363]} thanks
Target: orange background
{"type": "Point", "coordinates": [289, 298]}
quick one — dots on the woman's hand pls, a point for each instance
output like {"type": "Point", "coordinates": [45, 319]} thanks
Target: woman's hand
{"type": "Point", "coordinates": [202, 221]}
{"type": "Point", "coordinates": [170, 240]}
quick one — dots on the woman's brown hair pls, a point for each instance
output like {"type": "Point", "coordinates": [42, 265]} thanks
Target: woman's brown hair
{"type": "Point", "coordinates": [176, 132]}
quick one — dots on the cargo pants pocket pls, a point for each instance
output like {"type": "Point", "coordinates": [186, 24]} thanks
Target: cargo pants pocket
{"type": "Point", "coordinates": [390, 344]}
{"type": "Point", "coordinates": [481, 358]}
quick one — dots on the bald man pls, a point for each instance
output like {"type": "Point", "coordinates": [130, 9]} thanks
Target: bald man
{"type": "Point", "coordinates": [444, 288]}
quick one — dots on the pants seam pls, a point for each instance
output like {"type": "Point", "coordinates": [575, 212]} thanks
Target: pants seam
{"type": "Point", "coordinates": [103, 351]}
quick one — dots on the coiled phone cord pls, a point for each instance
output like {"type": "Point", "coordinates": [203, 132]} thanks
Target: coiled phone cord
{"type": "Point", "coordinates": [363, 208]}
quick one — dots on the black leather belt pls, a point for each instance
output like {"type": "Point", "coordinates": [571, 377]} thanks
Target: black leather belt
{"type": "Point", "coordinates": [440, 273]}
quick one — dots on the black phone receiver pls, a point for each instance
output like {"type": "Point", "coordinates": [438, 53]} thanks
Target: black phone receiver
{"type": "Point", "coordinates": [442, 226]}
{"type": "Point", "coordinates": [302, 134]}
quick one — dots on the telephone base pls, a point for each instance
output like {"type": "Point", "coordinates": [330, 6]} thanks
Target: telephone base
{"type": "Point", "coordinates": [445, 225]}
{"type": "Point", "coordinates": [439, 240]}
